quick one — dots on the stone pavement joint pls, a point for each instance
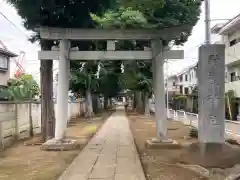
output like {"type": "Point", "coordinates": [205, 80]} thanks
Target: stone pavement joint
{"type": "Point", "coordinates": [110, 155]}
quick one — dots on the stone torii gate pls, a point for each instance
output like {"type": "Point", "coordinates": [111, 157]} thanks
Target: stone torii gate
{"type": "Point", "coordinates": [65, 53]}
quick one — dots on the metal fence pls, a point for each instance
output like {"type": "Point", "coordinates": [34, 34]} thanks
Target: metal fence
{"type": "Point", "coordinates": [232, 128]}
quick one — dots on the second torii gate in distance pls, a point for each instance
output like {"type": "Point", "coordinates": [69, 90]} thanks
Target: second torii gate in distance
{"type": "Point", "coordinates": [157, 54]}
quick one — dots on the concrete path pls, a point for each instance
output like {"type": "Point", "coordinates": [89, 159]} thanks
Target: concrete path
{"type": "Point", "coordinates": [110, 155]}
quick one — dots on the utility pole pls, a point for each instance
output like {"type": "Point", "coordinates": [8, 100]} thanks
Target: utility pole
{"type": "Point", "coordinates": [207, 22]}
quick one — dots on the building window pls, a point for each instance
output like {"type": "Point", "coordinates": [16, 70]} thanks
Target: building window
{"type": "Point", "coordinates": [233, 76]}
{"type": "Point", "coordinates": [181, 89]}
{"type": "Point", "coordinates": [186, 77]}
{"type": "Point", "coordinates": [226, 77]}
{"type": "Point", "coordinates": [186, 90]}
{"type": "Point", "coordinates": [3, 62]}
{"type": "Point", "coordinates": [174, 83]}
{"type": "Point", "coordinates": [181, 78]}
{"type": "Point", "coordinates": [233, 42]}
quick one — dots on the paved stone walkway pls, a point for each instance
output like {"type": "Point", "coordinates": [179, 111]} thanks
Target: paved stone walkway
{"type": "Point", "coordinates": [110, 155]}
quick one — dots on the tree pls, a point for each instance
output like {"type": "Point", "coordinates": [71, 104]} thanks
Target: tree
{"type": "Point", "coordinates": [72, 14]}
{"type": "Point", "coordinates": [149, 14]}
{"type": "Point", "coordinates": [24, 88]}
{"type": "Point", "coordinates": [84, 80]}
{"type": "Point", "coordinates": [124, 18]}
{"type": "Point", "coordinates": [121, 18]}
{"type": "Point", "coordinates": [109, 79]}
{"type": "Point", "coordinates": [137, 77]}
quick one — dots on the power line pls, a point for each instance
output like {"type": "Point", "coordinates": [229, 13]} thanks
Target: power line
{"type": "Point", "coordinates": [5, 17]}
{"type": "Point", "coordinates": [13, 24]}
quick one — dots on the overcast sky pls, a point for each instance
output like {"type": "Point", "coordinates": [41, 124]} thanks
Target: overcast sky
{"type": "Point", "coordinates": [16, 38]}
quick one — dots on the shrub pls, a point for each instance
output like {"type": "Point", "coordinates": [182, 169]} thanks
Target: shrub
{"type": "Point", "coordinates": [193, 132]}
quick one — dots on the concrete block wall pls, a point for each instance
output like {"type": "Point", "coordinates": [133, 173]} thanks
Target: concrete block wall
{"type": "Point", "coordinates": [15, 117]}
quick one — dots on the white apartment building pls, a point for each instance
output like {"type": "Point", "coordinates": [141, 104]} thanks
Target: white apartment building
{"type": "Point", "coordinates": [171, 85]}
{"type": "Point", "coordinates": [183, 82]}
{"type": "Point", "coordinates": [230, 36]}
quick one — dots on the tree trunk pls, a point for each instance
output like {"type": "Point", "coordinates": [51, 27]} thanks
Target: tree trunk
{"type": "Point", "coordinates": [94, 103]}
{"type": "Point", "coordinates": [30, 120]}
{"type": "Point", "coordinates": [47, 106]}
{"type": "Point", "coordinates": [140, 106]}
{"type": "Point", "coordinates": [134, 101]}
{"type": "Point", "coordinates": [143, 102]}
{"type": "Point", "coordinates": [108, 103]}
{"type": "Point", "coordinates": [138, 100]}
{"type": "Point", "coordinates": [111, 103]}
{"type": "Point", "coordinates": [105, 102]}
{"type": "Point", "coordinates": [147, 106]}
{"type": "Point", "coordinates": [89, 107]}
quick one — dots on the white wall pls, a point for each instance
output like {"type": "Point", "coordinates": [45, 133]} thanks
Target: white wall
{"type": "Point", "coordinates": [14, 118]}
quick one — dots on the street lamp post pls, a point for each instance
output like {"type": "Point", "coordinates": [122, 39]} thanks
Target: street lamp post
{"type": "Point", "coordinates": [207, 22]}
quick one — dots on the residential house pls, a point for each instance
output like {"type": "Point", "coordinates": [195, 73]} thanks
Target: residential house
{"type": "Point", "coordinates": [5, 56]}
{"type": "Point", "coordinates": [171, 85]}
{"type": "Point", "coordinates": [183, 82]}
{"type": "Point", "coordinates": [230, 36]}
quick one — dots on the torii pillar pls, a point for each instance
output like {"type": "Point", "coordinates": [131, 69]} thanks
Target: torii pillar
{"type": "Point", "coordinates": [159, 55]}
{"type": "Point", "coordinates": [62, 89]}
{"type": "Point", "coordinates": [59, 142]}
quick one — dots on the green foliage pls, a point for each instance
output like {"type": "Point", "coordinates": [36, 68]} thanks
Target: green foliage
{"type": "Point", "coordinates": [84, 77]}
{"type": "Point", "coordinates": [147, 14]}
{"type": "Point", "coordinates": [194, 91]}
{"type": "Point", "coordinates": [137, 76]}
{"type": "Point", "coordinates": [130, 14]}
{"type": "Point", "coordinates": [109, 78]}
{"type": "Point", "coordinates": [153, 14]}
{"type": "Point", "coordinates": [231, 105]}
{"type": "Point", "coordinates": [4, 94]}
{"type": "Point", "coordinates": [179, 102]}
{"type": "Point", "coordinates": [122, 18]}
{"type": "Point", "coordinates": [193, 132]}
{"type": "Point", "coordinates": [23, 89]}
{"type": "Point", "coordinates": [62, 13]}
{"type": "Point", "coordinates": [143, 5]}
{"type": "Point", "coordinates": [180, 97]}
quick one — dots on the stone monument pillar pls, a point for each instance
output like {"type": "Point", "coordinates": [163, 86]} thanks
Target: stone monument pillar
{"type": "Point", "coordinates": [211, 75]}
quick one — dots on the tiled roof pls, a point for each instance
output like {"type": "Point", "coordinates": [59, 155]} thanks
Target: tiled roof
{"type": "Point", "coordinates": [230, 25]}
{"type": "Point", "coordinates": [186, 69]}
{"type": "Point", "coordinates": [7, 53]}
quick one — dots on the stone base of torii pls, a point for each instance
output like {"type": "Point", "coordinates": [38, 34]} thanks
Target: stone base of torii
{"type": "Point", "coordinates": [211, 79]}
